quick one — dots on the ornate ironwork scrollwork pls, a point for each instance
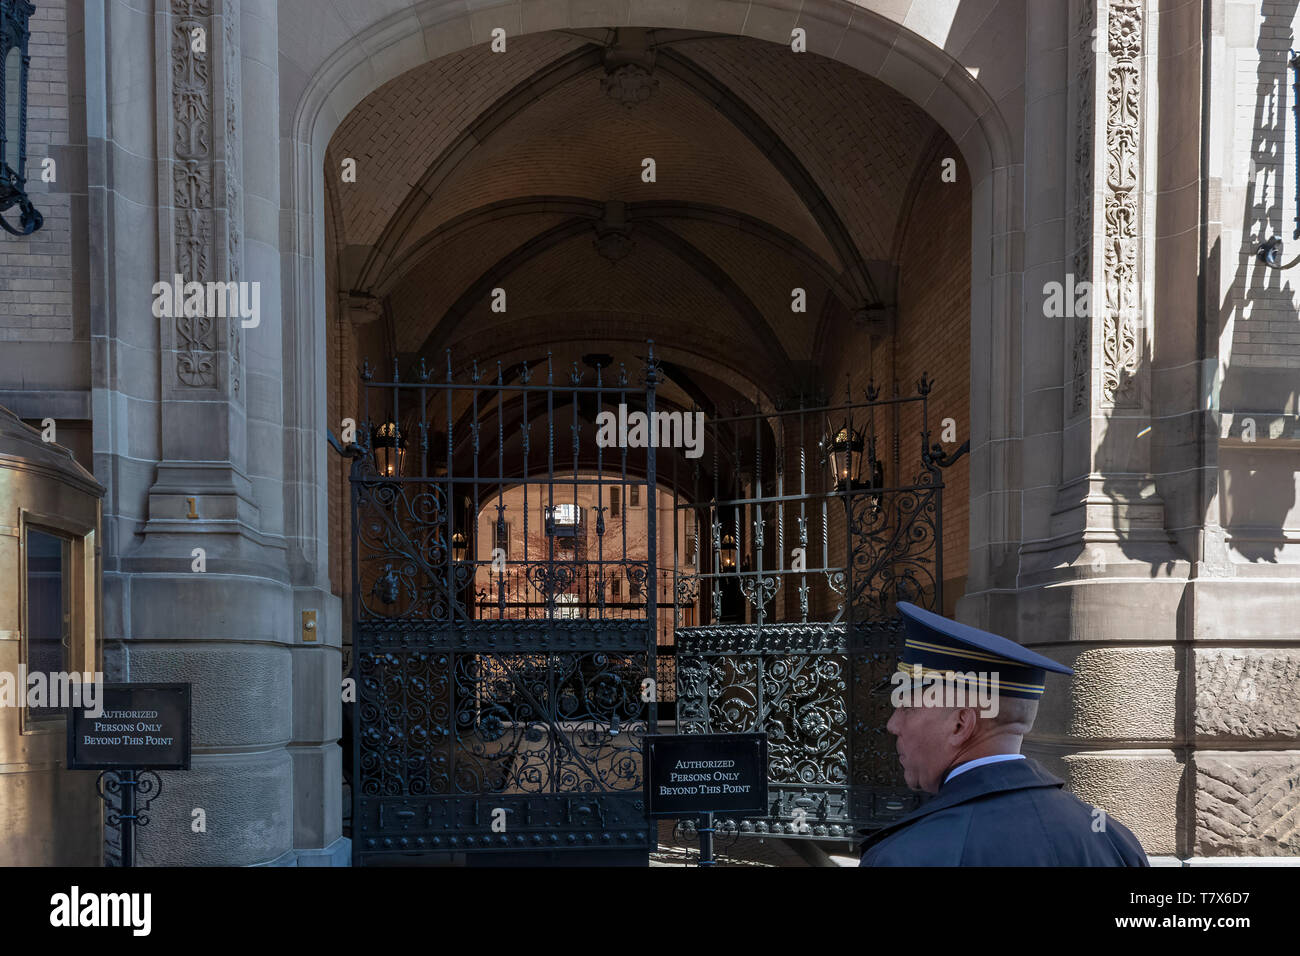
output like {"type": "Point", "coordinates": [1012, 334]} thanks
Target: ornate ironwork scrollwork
{"type": "Point", "coordinates": [808, 684]}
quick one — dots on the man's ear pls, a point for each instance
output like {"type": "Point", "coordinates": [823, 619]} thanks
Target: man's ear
{"type": "Point", "coordinates": [964, 723]}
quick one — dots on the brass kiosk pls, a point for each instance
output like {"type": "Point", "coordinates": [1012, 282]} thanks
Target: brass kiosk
{"type": "Point", "coordinates": [49, 623]}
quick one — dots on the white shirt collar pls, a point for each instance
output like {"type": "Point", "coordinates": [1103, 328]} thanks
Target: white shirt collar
{"type": "Point", "coordinates": [979, 762]}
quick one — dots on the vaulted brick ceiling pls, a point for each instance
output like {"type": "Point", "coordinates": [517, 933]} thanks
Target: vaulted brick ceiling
{"type": "Point", "coordinates": [482, 170]}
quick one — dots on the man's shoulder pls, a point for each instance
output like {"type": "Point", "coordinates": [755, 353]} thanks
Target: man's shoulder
{"type": "Point", "coordinates": [935, 839]}
{"type": "Point", "coordinates": [1017, 816]}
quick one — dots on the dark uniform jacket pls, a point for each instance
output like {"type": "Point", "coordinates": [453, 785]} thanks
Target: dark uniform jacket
{"type": "Point", "coordinates": [1010, 813]}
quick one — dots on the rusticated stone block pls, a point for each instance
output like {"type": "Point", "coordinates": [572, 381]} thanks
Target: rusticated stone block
{"type": "Point", "coordinates": [1247, 804]}
{"type": "Point", "coordinates": [1117, 693]}
{"type": "Point", "coordinates": [1248, 692]}
{"type": "Point", "coordinates": [1141, 789]}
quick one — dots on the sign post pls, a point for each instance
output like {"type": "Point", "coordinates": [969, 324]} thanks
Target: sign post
{"type": "Point", "coordinates": [137, 727]}
{"type": "Point", "coordinates": [703, 774]}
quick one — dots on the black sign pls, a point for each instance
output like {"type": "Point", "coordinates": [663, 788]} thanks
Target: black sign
{"type": "Point", "coordinates": [687, 774]}
{"type": "Point", "coordinates": [138, 727]}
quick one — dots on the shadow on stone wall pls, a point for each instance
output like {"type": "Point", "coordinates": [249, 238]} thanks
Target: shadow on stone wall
{"type": "Point", "coordinates": [1256, 479]}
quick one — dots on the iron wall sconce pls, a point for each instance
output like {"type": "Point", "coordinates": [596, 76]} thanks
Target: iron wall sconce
{"type": "Point", "coordinates": [15, 30]}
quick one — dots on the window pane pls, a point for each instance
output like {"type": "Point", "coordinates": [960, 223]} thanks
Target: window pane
{"type": "Point", "coordinates": [48, 579]}
{"type": "Point", "coordinates": [566, 515]}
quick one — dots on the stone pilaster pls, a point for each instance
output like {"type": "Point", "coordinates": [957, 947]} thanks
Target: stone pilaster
{"type": "Point", "coordinates": [1108, 512]}
{"type": "Point", "coordinates": [204, 426]}
{"type": "Point", "coordinates": [209, 598]}
{"type": "Point", "coordinates": [1102, 592]}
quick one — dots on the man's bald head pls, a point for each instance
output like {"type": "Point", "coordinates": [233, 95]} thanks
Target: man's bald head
{"type": "Point", "coordinates": [1015, 715]}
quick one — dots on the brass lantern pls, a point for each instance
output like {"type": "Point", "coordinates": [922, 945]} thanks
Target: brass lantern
{"type": "Point", "coordinates": [847, 454]}
{"type": "Point", "coordinates": [389, 448]}
{"type": "Point", "coordinates": [14, 64]}
{"type": "Point", "coordinates": [727, 552]}
{"type": "Point", "coordinates": [459, 545]}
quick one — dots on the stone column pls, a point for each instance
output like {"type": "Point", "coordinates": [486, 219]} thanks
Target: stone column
{"type": "Point", "coordinates": [1100, 580]}
{"type": "Point", "coordinates": [202, 589]}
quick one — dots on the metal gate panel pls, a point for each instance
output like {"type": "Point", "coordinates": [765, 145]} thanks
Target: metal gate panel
{"type": "Point", "coordinates": [795, 649]}
{"type": "Point", "coordinates": [500, 704]}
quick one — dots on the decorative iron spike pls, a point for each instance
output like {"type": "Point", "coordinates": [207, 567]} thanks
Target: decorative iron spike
{"type": "Point", "coordinates": [651, 369]}
{"type": "Point", "coordinates": [423, 370]}
{"type": "Point", "coordinates": [473, 375]}
{"type": "Point", "coordinates": [575, 377]}
{"type": "Point", "coordinates": [500, 381]}
{"type": "Point", "coordinates": [873, 391]}
{"type": "Point", "coordinates": [622, 374]}
{"type": "Point", "coordinates": [366, 373]}
{"type": "Point", "coordinates": [449, 366]}
{"type": "Point", "coordinates": [396, 377]}
{"type": "Point", "coordinates": [525, 376]}
{"type": "Point", "coordinates": [925, 384]}
{"type": "Point", "coordinates": [550, 372]}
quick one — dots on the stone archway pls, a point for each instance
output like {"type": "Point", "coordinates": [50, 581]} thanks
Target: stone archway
{"type": "Point", "coordinates": [953, 66]}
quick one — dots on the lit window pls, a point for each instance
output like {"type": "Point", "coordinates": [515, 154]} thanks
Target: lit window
{"type": "Point", "coordinates": [562, 520]}
{"type": "Point", "coordinates": [501, 537]}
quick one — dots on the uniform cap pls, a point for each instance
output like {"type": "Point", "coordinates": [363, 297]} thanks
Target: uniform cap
{"type": "Point", "coordinates": [936, 647]}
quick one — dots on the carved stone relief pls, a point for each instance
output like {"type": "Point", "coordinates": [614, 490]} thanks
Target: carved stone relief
{"type": "Point", "coordinates": [192, 176]}
{"type": "Point", "coordinates": [1122, 208]}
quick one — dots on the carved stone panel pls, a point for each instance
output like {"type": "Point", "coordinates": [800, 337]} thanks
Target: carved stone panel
{"type": "Point", "coordinates": [1246, 804]}
{"type": "Point", "coordinates": [191, 100]}
{"type": "Point", "coordinates": [1248, 692]}
{"type": "Point", "coordinates": [1122, 205]}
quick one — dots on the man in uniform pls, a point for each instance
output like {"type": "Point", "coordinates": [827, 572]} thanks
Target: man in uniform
{"type": "Point", "coordinates": [992, 806]}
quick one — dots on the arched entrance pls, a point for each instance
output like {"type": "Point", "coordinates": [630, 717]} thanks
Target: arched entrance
{"type": "Point", "coordinates": [768, 265]}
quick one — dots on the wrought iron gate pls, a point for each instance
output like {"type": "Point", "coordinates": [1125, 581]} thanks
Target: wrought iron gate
{"type": "Point", "coordinates": [797, 639]}
{"type": "Point", "coordinates": [504, 620]}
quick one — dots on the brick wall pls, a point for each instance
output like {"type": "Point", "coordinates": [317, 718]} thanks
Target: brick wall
{"type": "Point", "coordinates": [932, 336]}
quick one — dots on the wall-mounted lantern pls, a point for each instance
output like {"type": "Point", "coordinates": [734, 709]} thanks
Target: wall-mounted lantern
{"type": "Point", "coordinates": [389, 448]}
{"type": "Point", "coordinates": [14, 65]}
{"type": "Point", "coordinates": [727, 552]}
